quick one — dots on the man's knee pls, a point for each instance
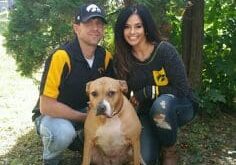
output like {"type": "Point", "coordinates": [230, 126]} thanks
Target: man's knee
{"type": "Point", "coordinates": [57, 132]}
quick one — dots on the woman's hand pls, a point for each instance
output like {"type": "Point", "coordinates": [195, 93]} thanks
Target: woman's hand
{"type": "Point", "coordinates": [134, 101]}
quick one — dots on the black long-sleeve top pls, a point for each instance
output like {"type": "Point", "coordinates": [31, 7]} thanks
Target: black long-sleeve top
{"type": "Point", "coordinates": [163, 68]}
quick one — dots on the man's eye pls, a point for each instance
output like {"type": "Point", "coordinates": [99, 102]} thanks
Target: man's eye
{"type": "Point", "coordinates": [111, 93]}
{"type": "Point", "coordinates": [94, 94]}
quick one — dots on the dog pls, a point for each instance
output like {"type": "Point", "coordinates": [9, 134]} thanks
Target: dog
{"type": "Point", "coordinates": [112, 128]}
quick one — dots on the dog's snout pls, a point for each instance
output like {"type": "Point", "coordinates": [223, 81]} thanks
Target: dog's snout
{"type": "Point", "coordinates": [101, 109]}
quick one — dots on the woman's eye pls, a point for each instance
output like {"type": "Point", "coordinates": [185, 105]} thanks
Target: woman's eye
{"type": "Point", "coordinates": [139, 26]}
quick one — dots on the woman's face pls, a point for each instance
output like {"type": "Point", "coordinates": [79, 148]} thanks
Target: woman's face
{"type": "Point", "coordinates": [134, 31]}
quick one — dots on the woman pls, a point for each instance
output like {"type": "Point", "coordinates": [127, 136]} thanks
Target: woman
{"type": "Point", "coordinates": [157, 82]}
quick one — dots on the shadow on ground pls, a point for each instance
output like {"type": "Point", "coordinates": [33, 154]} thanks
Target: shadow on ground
{"type": "Point", "coordinates": [208, 141]}
{"type": "Point", "coordinates": [202, 142]}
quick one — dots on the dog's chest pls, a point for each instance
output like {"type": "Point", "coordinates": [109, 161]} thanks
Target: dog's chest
{"type": "Point", "coordinates": [110, 137]}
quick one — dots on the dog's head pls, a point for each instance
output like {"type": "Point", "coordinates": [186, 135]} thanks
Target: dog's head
{"type": "Point", "coordinates": [106, 95]}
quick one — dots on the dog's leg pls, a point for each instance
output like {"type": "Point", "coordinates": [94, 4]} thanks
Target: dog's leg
{"type": "Point", "coordinates": [87, 152]}
{"type": "Point", "coordinates": [136, 150]}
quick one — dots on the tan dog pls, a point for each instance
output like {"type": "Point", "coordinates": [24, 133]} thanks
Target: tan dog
{"type": "Point", "coordinates": [112, 128]}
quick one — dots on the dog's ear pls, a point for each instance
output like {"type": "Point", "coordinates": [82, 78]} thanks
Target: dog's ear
{"type": "Point", "coordinates": [87, 87]}
{"type": "Point", "coordinates": [123, 85]}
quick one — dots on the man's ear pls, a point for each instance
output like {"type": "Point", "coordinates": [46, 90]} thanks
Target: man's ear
{"type": "Point", "coordinates": [87, 87]}
{"type": "Point", "coordinates": [76, 28]}
{"type": "Point", "coordinates": [123, 86]}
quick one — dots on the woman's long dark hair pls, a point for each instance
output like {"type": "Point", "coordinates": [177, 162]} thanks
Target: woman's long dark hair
{"type": "Point", "coordinates": [122, 48]}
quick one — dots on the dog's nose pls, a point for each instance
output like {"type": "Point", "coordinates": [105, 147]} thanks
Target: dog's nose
{"type": "Point", "coordinates": [101, 109]}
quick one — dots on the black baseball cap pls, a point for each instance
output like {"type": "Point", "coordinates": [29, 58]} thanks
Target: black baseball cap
{"type": "Point", "coordinates": [88, 11]}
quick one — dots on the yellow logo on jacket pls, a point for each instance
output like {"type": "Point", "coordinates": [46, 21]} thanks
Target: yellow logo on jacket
{"type": "Point", "coordinates": [160, 77]}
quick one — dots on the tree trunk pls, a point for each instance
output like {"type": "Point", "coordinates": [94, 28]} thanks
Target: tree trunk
{"type": "Point", "coordinates": [192, 40]}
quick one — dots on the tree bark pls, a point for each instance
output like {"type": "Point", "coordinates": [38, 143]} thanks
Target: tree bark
{"type": "Point", "coordinates": [192, 40]}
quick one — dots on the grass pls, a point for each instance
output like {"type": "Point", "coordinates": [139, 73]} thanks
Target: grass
{"type": "Point", "coordinates": [208, 141]}
{"type": "Point", "coordinates": [205, 141]}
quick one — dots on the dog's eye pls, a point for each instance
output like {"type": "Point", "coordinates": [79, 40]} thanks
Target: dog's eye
{"type": "Point", "coordinates": [111, 93]}
{"type": "Point", "coordinates": [94, 94]}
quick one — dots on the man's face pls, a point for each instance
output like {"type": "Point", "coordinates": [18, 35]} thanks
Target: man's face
{"type": "Point", "coordinates": [90, 32]}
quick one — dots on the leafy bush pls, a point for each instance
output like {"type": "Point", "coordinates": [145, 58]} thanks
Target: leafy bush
{"type": "Point", "coordinates": [35, 29]}
{"type": "Point", "coordinates": [219, 71]}
{"type": "Point", "coordinates": [218, 75]}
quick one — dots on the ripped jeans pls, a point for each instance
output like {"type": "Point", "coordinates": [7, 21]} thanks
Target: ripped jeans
{"type": "Point", "coordinates": [177, 112]}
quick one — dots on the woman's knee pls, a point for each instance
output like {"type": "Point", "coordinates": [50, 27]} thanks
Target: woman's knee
{"type": "Point", "coordinates": [185, 112]}
{"type": "Point", "coordinates": [162, 112]}
{"type": "Point", "coordinates": [163, 104]}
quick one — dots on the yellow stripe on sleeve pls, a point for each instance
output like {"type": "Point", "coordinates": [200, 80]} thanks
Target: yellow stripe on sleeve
{"type": "Point", "coordinates": [59, 59]}
{"type": "Point", "coordinates": [108, 57]}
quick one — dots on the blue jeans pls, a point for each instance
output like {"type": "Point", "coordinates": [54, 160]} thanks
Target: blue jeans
{"type": "Point", "coordinates": [57, 135]}
{"type": "Point", "coordinates": [178, 111]}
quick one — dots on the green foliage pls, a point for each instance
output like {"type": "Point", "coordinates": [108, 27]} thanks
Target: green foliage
{"type": "Point", "coordinates": [173, 16]}
{"type": "Point", "coordinates": [219, 70]}
{"type": "Point", "coordinates": [112, 11]}
{"type": "Point", "coordinates": [35, 29]}
{"type": "Point", "coordinates": [219, 61]}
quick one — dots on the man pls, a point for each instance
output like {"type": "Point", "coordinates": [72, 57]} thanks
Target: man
{"type": "Point", "coordinates": [63, 99]}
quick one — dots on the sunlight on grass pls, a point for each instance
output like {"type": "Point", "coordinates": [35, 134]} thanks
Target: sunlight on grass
{"type": "Point", "coordinates": [17, 98]}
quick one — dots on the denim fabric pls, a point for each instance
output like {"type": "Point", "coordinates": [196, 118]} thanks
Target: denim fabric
{"type": "Point", "coordinates": [175, 109]}
{"type": "Point", "coordinates": [150, 147]}
{"type": "Point", "coordinates": [178, 111]}
{"type": "Point", "coordinates": [56, 133]}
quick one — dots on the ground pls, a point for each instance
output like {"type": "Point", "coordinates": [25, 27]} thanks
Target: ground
{"type": "Point", "coordinates": [204, 141]}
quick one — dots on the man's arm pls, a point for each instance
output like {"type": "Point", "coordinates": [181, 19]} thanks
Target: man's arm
{"type": "Point", "coordinates": [51, 107]}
